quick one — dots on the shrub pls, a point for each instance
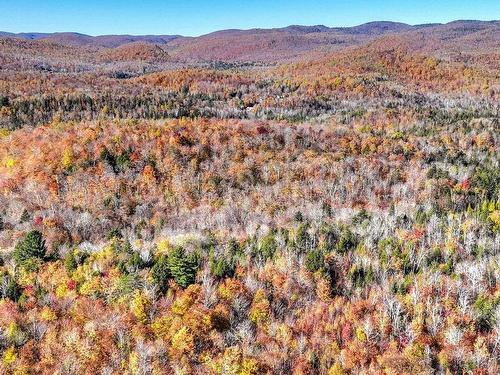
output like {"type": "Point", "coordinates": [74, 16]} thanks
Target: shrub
{"type": "Point", "coordinates": [30, 247]}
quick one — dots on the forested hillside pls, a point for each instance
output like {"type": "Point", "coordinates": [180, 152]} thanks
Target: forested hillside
{"type": "Point", "coordinates": [305, 200]}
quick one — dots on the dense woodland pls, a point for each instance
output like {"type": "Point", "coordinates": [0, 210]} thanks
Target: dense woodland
{"type": "Point", "coordinates": [335, 213]}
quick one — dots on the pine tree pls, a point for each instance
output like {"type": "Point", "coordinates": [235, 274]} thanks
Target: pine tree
{"type": "Point", "coordinates": [160, 273]}
{"type": "Point", "coordinates": [183, 267]}
{"type": "Point", "coordinates": [32, 245]}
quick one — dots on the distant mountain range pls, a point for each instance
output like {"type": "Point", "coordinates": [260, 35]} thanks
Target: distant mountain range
{"type": "Point", "coordinates": [264, 45]}
{"type": "Point", "coordinates": [101, 40]}
{"type": "Point", "coordinates": [370, 28]}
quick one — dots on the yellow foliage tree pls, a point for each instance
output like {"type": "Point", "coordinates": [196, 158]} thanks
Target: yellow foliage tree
{"type": "Point", "coordinates": [140, 307]}
{"type": "Point", "coordinates": [259, 312]}
{"type": "Point", "coordinates": [182, 343]}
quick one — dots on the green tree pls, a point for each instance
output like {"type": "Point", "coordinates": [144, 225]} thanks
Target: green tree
{"type": "Point", "coordinates": [315, 260]}
{"type": "Point", "coordinates": [347, 241]}
{"type": "Point", "coordinates": [222, 267]}
{"type": "Point", "coordinates": [30, 247]}
{"type": "Point", "coordinates": [160, 273]}
{"type": "Point", "coordinates": [361, 276]}
{"type": "Point", "coordinates": [302, 237]}
{"type": "Point", "coordinates": [73, 259]}
{"type": "Point", "coordinates": [484, 307]}
{"type": "Point", "coordinates": [486, 180]}
{"type": "Point", "coordinates": [266, 247]}
{"type": "Point", "coordinates": [182, 266]}
{"type": "Point", "coordinates": [135, 263]}
{"type": "Point", "coordinates": [9, 287]}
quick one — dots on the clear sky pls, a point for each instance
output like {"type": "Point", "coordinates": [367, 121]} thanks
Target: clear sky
{"type": "Point", "coordinates": [196, 17]}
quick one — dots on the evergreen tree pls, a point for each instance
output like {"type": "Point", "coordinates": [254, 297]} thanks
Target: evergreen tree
{"type": "Point", "coordinates": [31, 246]}
{"type": "Point", "coordinates": [183, 267]}
{"type": "Point", "coordinates": [315, 260]}
{"type": "Point", "coordinates": [266, 247]}
{"type": "Point", "coordinates": [347, 241]}
{"type": "Point", "coordinates": [9, 287]}
{"type": "Point", "coordinates": [221, 266]}
{"type": "Point", "coordinates": [160, 272]}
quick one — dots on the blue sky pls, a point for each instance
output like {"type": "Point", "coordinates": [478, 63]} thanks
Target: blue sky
{"type": "Point", "coordinates": [186, 17]}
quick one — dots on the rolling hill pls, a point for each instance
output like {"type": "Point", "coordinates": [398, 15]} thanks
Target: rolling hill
{"type": "Point", "coordinates": [281, 44]}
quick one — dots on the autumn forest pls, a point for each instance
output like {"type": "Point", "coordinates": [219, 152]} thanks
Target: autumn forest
{"type": "Point", "coordinates": [304, 200]}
